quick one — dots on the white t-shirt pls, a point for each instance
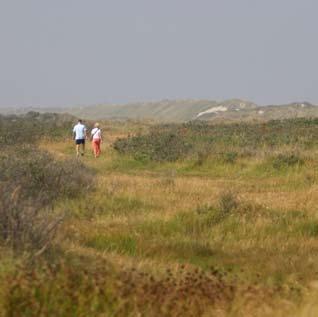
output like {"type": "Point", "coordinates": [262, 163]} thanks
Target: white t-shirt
{"type": "Point", "coordinates": [96, 133]}
{"type": "Point", "coordinates": [79, 131]}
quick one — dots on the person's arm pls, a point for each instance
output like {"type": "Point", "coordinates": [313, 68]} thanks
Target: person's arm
{"type": "Point", "coordinates": [74, 133]}
{"type": "Point", "coordinates": [91, 136]}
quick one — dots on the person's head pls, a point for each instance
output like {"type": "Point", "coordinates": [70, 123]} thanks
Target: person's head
{"type": "Point", "coordinates": [80, 121]}
{"type": "Point", "coordinates": [96, 125]}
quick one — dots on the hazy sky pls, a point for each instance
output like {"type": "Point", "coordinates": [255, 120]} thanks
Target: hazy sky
{"type": "Point", "coordinates": [68, 52]}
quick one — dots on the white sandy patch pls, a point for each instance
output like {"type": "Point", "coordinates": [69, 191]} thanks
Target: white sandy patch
{"type": "Point", "coordinates": [212, 110]}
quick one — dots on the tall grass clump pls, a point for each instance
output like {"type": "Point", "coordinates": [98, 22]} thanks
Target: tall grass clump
{"type": "Point", "coordinates": [26, 224]}
{"type": "Point", "coordinates": [228, 202]}
{"type": "Point", "coordinates": [285, 160]}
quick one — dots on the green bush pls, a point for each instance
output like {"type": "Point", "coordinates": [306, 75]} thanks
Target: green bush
{"type": "Point", "coordinates": [197, 140]}
{"type": "Point", "coordinates": [155, 146]}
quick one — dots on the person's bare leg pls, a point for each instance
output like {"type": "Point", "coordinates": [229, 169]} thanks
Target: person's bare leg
{"type": "Point", "coordinates": [77, 150]}
{"type": "Point", "coordinates": [83, 148]}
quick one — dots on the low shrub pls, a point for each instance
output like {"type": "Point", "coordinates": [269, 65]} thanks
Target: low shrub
{"type": "Point", "coordinates": [208, 215]}
{"type": "Point", "coordinates": [197, 140]}
{"type": "Point", "coordinates": [33, 126]}
{"type": "Point", "coordinates": [230, 157]}
{"type": "Point", "coordinates": [154, 146]}
{"type": "Point", "coordinates": [38, 174]}
{"type": "Point", "coordinates": [82, 289]}
{"type": "Point", "coordinates": [203, 156]}
{"type": "Point", "coordinates": [30, 181]}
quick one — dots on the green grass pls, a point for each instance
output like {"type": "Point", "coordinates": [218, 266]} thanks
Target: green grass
{"type": "Point", "coordinates": [119, 244]}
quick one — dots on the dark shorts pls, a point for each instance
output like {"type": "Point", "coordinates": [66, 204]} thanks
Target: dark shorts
{"type": "Point", "coordinates": [80, 141]}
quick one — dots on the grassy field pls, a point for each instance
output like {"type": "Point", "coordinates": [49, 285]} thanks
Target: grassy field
{"type": "Point", "coordinates": [215, 233]}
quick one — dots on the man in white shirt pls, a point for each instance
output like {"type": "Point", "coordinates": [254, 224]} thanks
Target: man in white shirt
{"type": "Point", "coordinates": [79, 134]}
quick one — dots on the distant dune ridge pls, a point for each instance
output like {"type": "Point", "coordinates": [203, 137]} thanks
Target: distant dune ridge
{"type": "Point", "coordinates": [185, 110]}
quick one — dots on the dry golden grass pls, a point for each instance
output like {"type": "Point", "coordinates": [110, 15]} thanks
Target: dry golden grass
{"type": "Point", "coordinates": [161, 217]}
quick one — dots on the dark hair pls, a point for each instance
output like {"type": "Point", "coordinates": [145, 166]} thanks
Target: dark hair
{"type": "Point", "coordinates": [80, 120]}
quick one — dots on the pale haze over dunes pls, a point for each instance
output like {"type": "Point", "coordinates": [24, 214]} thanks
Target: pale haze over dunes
{"type": "Point", "coordinates": [185, 110]}
{"type": "Point", "coordinates": [67, 53]}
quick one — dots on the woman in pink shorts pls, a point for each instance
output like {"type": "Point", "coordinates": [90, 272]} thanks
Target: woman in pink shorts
{"type": "Point", "coordinates": [96, 136]}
